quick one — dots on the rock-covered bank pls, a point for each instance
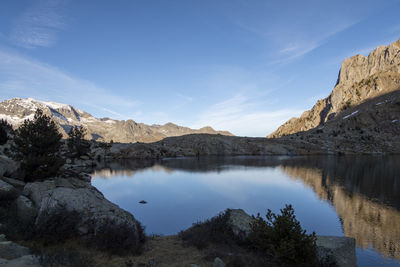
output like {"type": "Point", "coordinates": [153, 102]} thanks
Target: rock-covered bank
{"type": "Point", "coordinates": [60, 208]}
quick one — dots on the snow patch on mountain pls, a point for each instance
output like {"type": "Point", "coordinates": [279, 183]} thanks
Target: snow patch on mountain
{"type": "Point", "coordinates": [352, 114]}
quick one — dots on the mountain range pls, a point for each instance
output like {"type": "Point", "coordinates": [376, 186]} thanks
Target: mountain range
{"type": "Point", "coordinates": [16, 110]}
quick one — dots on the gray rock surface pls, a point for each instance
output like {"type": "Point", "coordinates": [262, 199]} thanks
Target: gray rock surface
{"type": "Point", "coordinates": [24, 261]}
{"type": "Point", "coordinates": [218, 263]}
{"type": "Point", "coordinates": [10, 250]}
{"type": "Point", "coordinates": [74, 195]}
{"type": "Point", "coordinates": [14, 182]}
{"type": "Point", "coordinates": [26, 211]}
{"type": "Point", "coordinates": [7, 166]}
{"type": "Point", "coordinates": [7, 191]}
{"type": "Point", "coordinates": [239, 221]}
{"type": "Point", "coordinates": [341, 249]}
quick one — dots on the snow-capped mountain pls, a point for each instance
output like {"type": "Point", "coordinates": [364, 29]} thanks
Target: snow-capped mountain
{"type": "Point", "coordinates": [16, 110]}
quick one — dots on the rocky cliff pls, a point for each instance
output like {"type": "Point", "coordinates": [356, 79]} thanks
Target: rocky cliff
{"type": "Point", "coordinates": [360, 78]}
{"type": "Point", "coordinates": [16, 110]}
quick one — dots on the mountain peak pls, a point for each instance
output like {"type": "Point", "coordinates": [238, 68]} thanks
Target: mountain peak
{"type": "Point", "coordinates": [360, 78]}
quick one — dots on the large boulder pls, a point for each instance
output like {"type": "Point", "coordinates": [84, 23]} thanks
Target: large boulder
{"type": "Point", "coordinates": [26, 211]}
{"type": "Point", "coordinates": [7, 191]}
{"type": "Point", "coordinates": [10, 250]}
{"type": "Point", "coordinates": [14, 182]}
{"type": "Point", "coordinates": [24, 261]}
{"type": "Point", "coordinates": [92, 212]}
{"type": "Point", "coordinates": [7, 166]}
{"type": "Point", "coordinates": [239, 221]}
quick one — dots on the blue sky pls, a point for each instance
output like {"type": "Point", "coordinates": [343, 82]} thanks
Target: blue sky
{"type": "Point", "coordinates": [237, 65]}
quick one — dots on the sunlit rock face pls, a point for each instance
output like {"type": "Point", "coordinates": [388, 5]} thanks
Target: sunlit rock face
{"type": "Point", "coordinates": [360, 78]}
{"type": "Point", "coordinates": [373, 219]}
{"type": "Point", "coordinates": [16, 110]}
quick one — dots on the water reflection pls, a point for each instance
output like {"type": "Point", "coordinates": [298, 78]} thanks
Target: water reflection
{"type": "Point", "coordinates": [364, 191]}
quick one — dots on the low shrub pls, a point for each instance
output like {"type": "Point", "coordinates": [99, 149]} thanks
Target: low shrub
{"type": "Point", "coordinates": [214, 230]}
{"type": "Point", "coordinates": [282, 238]}
{"type": "Point", "coordinates": [119, 239]}
{"type": "Point", "coordinates": [65, 258]}
{"type": "Point", "coordinates": [60, 226]}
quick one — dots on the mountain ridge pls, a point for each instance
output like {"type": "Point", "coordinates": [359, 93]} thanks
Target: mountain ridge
{"type": "Point", "coordinates": [16, 110]}
{"type": "Point", "coordinates": [360, 78]}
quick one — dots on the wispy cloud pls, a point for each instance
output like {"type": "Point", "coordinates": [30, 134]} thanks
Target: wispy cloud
{"type": "Point", "coordinates": [39, 24]}
{"type": "Point", "coordinates": [290, 33]}
{"type": "Point", "coordinates": [302, 45]}
{"type": "Point", "coordinates": [244, 116]}
{"type": "Point", "coordinates": [25, 77]}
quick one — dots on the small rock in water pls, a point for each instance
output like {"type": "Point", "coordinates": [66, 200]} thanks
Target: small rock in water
{"type": "Point", "coordinates": [143, 202]}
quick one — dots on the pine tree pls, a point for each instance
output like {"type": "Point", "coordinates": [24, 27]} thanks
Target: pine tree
{"type": "Point", "coordinates": [5, 128]}
{"type": "Point", "coordinates": [37, 143]}
{"type": "Point", "coordinates": [76, 142]}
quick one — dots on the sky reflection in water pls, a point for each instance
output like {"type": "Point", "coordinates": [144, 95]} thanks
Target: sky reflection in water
{"type": "Point", "coordinates": [355, 197]}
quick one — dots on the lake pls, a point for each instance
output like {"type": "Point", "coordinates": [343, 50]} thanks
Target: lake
{"type": "Point", "coordinates": [355, 196]}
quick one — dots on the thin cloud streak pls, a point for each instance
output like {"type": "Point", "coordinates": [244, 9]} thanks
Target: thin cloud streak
{"type": "Point", "coordinates": [39, 25]}
{"type": "Point", "coordinates": [240, 116]}
{"type": "Point", "coordinates": [301, 47]}
{"type": "Point", "coordinates": [23, 77]}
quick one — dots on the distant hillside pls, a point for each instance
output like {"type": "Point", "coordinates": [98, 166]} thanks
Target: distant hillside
{"type": "Point", "coordinates": [360, 79]}
{"type": "Point", "coordinates": [16, 110]}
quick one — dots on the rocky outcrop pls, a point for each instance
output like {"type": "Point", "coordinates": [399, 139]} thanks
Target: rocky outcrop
{"type": "Point", "coordinates": [360, 78]}
{"type": "Point", "coordinates": [372, 127]}
{"type": "Point", "coordinates": [64, 207]}
{"type": "Point", "coordinates": [73, 195]}
{"type": "Point", "coordinates": [16, 110]}
{"type": "Point", "coordinates": [204, 144]}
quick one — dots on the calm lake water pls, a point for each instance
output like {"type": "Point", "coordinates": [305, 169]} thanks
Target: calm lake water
{"type": "Point", "coordinates": [352, 196]}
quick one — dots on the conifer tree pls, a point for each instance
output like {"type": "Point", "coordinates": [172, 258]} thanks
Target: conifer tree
{"type": "Point", "coordinates": [5, 128]}
{"type": "Point", "coordinates": [76, 142]}
{"type": "Point", "coordinates": [37, 144]}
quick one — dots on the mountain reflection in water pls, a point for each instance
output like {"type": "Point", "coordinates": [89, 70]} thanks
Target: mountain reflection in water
{"type": "Point", "coordinates": [364, 190]}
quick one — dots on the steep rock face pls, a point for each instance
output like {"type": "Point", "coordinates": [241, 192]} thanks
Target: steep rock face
{"type": "Point", "coordinates": [16, 110]}
{"type": "Point", "coordinates": [360, 78]}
